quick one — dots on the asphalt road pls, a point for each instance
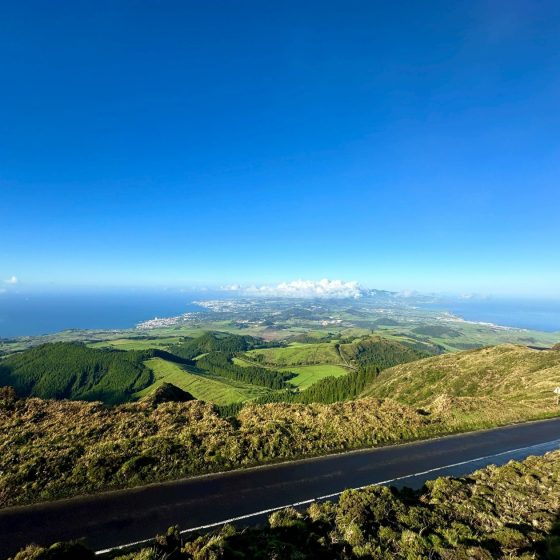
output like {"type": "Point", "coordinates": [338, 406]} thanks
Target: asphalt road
{"type": "Point", "coordinates": [118, 518]}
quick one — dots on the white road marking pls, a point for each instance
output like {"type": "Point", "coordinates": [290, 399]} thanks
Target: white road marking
{"type": "Point", "coordinates": [325, 497]}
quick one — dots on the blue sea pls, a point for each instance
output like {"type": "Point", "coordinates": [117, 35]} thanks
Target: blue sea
{"type": "Point", "coordinates": [35, 314]}
{"type": "Point", "coordinates": [537, 314]}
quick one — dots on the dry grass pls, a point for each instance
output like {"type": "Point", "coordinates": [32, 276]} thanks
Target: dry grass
{"type": "Point", "coordinates": [515, 373]}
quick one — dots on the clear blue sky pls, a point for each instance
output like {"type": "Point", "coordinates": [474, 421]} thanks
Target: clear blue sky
{"type": "Point", "coordinates": [400, 144]}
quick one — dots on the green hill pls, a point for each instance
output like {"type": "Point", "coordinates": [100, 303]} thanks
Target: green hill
{"type": "Point", "coordinates": [73, 371]}
{"type": "Point", "coordinates": [215, 342]}
{"type": "Point", "coordinates": [510, 380]}
{"type": "Point", "coordinates": [167, 392]}
{"type": "Point", "coordinates": [378, 352]}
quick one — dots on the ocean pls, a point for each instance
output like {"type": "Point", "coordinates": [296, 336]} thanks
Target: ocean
{"type": "Point", "coordinates": [536, 314]}
{"type": "Point", "coordinates": [35, 314]}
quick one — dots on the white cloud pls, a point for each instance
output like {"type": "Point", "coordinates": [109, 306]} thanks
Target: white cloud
{"type": "Point", "coordinates": [408, 293]}
{"type": "Point", "coordinates": [303, 289]}
{"type": "Point", "coordinates": [13, 280]}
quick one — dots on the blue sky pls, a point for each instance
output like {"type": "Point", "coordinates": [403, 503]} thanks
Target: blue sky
{"type": "Point", "coordinates": [409, 145]}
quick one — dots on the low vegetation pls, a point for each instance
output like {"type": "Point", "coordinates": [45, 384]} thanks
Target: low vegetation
{"type": "Point", "coordinates": [44, 456]}
{"type": "Point", "coordinates": [495, 513]}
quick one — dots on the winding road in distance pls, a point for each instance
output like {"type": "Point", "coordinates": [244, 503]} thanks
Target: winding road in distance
{"type": "Point", "coordinates": [127, 516]}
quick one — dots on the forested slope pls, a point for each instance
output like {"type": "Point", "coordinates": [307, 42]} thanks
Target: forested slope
{"type": "Point", "coordinates": [74, 371]}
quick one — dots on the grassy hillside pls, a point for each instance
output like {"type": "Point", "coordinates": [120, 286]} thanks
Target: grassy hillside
{"type": "Point", "coordinates": [52, 448]}
{"type": "Point", "coordinates": [202, 386]}
{"type": "Point", "coordinates": [364, 351]}
{"type": "Point", "coordinates": [138, 343]}
{"type": "Point", "coordinates": [513, 372]}
{"type": "Point", "coordinates": [498, 512]}
{"type": "Point", "coordinates": [501, 380]}
{"type": "Point", "coordinates": [74, 371]}
{"type": "Point", "coordinates": [46, 456]}
{"type": "Point", "coordinates": [304, 375]}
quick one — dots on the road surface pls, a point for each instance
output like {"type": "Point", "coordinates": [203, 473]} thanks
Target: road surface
{"type": "Point", "coordinates": [118, 518]}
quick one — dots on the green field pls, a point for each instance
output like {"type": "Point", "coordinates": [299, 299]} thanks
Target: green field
{"type": "Point", "coordinates": [456, 336]}
{"type": "Point", "coordinates": [204, 387]}
{"type": "Point", "coordinates": [296, 355]}
{"type": "Point", "coordinates": [308, 375]}
{"type": "Point", "coordinates": [303, 362]}
{"type": "Point", "coordinates": [136, 343]}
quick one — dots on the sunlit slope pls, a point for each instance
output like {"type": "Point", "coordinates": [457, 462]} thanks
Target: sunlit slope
{"type": "Point", "coordinates": [203, 386]}
{"type": "Point", "coordinates": [510, 374]}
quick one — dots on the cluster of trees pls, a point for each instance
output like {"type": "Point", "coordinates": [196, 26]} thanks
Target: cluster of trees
{"type": "Point", "coordinates": [380, 353]}
{"type": "Point", "coordinates": [506, 512]}
{"type": "Point", "coordinates": [371, 356]}
{"type": "Point", "coordinates": [335, 389]}
{"type": "Point", "coordinates": [71, 370]}
{"type": "Point", "coordinates": [216, 351]}
{"type": "Point", "coordinates": [220, 363]}
{"type": "Point", "coordinates": [326, 391]}
{"type": "Point", "coordinates": [216, 342]}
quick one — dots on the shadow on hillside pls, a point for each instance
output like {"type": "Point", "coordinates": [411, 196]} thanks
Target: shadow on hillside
{"type": "Point", "coordinates": [549, 549]}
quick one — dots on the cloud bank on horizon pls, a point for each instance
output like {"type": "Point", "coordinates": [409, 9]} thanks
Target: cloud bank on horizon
{"type": "Point", "coordinates": [324, 288]}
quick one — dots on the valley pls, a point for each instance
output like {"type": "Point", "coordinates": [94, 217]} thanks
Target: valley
{"type": "Point", "coordinates": [162, 404]}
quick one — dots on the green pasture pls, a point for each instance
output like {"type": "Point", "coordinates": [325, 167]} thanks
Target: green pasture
{"type": "Point", "coordinates": [137, 343]}
{"type": "Point", "coordinates": [308, 375]}
{"type": "Point", "coordinates": [202, 386]}
{"type": "Point", "coordinates": [296, 355]}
